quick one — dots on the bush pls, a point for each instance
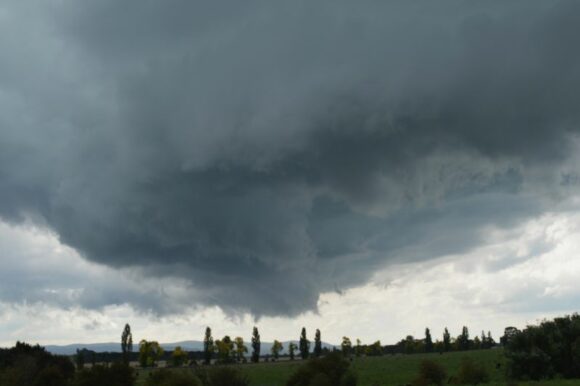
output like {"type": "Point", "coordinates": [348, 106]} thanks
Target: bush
{"type": "Point", "coordinates": [348, 379]}
{"type": "Point", "coordinates": [471, 374]}
{"type": "Point", "coordinates": [118, 374]}
{"type": "Point", "coordinates": [320, 379]}
{"type": "Point", "coordinates": [333, 368]}
{"type": "Point", "coordinates": [172, 378]}
{"type": "Point", "coordinates": [430, 373]}
{"type": "Point", "coordinates": [222, 376]}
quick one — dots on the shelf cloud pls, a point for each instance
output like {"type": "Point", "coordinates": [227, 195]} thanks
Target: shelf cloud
{"type": "Point", "coordinates": [265, 153]}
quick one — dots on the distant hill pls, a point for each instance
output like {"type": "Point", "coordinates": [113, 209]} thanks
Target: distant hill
{"type": "Point", "coordinates": [188, 345]}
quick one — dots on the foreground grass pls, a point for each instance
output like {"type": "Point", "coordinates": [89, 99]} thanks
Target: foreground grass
{"type": "Point", "coordinates": [391, 370]}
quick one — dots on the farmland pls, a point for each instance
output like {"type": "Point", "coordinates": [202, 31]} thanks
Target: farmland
{"type": "Point", "coordinates": [389, 370]}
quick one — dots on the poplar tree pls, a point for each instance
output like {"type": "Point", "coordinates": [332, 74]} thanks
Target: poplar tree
{"type": "Point", "coordinates": [317, 344]}
{"type": "Point", "coordinates": [304, 344]}
{"type": "Point", "coordinates": [428, 341]}
{"type": "Point", "coordinates": [446, 340]}
{"type": "Point", "coordinates": [126, 343]}
{"type": "Point", "coordinates": [255, 345]}
{"type": "Point", "coordinates": [207, 346]}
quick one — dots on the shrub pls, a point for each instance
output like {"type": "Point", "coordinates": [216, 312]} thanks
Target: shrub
{"type": "Point", "coordinates": [320, 379]}
{"type": "Point", "coordinates": [430, 373]}
{"type": "Point", "coordinates": [471, 374]}
{"type": "Point", "coordinates": [172, 378]}
{"type": "Point", "coordinates": [118, 374]}
{"type": "Point", "coordinates": [333, 368]}
{"type": "Point", "coordinates": [348, 379]}
{"type": "Point", "coordinates": [222, 376]}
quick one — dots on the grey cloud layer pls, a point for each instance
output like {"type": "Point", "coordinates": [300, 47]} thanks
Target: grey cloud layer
{"type": "Point", "coordinates": [268, 153]}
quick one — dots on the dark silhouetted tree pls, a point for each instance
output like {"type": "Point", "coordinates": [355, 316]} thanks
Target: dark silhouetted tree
{"type": "Point", "coordinates": [304, 344]}
{"type": "Point", "coordinates": [463, 339]}
{"type": "Point", "coordinates": [346, 346]}
{"type": "Point", "coordinates": [508, 334]}
{"type": "Point", "coordinates": [317, 344]}
{"type": "Point", "coordinates": [428, 341]}
{"type": "Point", "coordinates": [446, 340]}
{"type": "Point", "coordinates": [207, 346]}
{"type": "Point", "coordinates": [490, 341]}
{"type": "Point", "coordinates": [255, 345]}
{"type": "Point", "coordinates": [292, 349]}
{"type": "Point", "coordinates": [126, 343]}
{"type": "Point", "coordinates": [80, 359]}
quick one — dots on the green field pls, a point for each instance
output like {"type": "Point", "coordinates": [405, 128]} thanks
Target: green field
{"type": "Point", "coordinates": [391, 370]}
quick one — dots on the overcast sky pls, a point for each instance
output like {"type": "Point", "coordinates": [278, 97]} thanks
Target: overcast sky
{"type": "Point", "coordinates": [366, 168]}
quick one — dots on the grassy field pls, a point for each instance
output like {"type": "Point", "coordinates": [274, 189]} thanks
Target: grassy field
{"type": "Point", "coordinates": [393, 370]}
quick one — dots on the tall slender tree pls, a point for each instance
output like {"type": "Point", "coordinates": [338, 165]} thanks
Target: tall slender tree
{"type": "Point", "coordinates": [490, 341]}
{"type": "Point", "coordinates": [428, 341]}
{"type": "Point", "coordinates": [255, 345]}
{"type": "Point", "coordinates": [126, 343]}
{"type": "Point", "coordinates": [317, 344]}
{"type": "Point", "coordinates": [291, 349]}
{"type": "Point", "coordinates": [304, 344]}
{"type": "Point", "coordinates": [463, 339]}
{"type": "Point", "coordinates": [446, 340]}
{"type": "Point", "coordinates": [208, 347]}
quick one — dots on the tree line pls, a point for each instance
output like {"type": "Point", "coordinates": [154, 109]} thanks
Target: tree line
{"type": "Point", "coordinates": [228, 350]}
{"type": "Point", "coordinates": [547, 350]}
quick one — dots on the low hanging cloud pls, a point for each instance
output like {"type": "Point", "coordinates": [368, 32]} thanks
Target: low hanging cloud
{"type": "Point", "coordinates": [266, 153]}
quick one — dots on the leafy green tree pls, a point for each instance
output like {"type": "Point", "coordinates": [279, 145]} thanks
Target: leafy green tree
{"type": "Point", "coordinates": [276, 348]}
{"type": "Point", "coordinates": [255, 345]}
{"type": "Point", "coordinates": [446, 340]}
{"type": "Point", "coordinates": [26, 365]}
{"type": "Point", "coordinates": [292, 347]}
{"type": "Point", "coordinates": [542, 351]}
{"type": "Point", "coordinates": [241, 348]}
{"type": "Point", "coordinates": [208, 347]}
{"type": "Point", "coordinates": [428, 341]}
{"type": "Point", "coordinates": [178, 356]}
{"type": "Point", "coordinates": [508, 334]}
{"type": "Point", "coordinates": [304, 344]}
{"type": "Point", "coordinates": [224, 349]}
{"type": "Point", "coordinates": [149, 353]}
{"type": "Point", "coordinates": [126, 343]}
{"type": "Point", "coordinates": [346, 346]}
{"type": "Point", "coordinates": [317, 344]}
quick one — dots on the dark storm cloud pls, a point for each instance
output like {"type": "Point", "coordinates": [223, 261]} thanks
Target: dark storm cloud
{"type": "Point", "coordinates": [268, 153]}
